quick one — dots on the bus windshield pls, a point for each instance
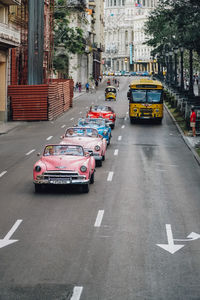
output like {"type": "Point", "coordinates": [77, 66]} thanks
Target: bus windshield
{"type": "Point", "coordinates": [146, 96]}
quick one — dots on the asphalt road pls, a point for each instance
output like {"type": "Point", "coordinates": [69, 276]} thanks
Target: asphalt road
{"type": "Point", "coordinates": [102, 245]}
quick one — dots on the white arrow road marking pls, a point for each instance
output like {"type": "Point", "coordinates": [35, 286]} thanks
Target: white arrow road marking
{"type": "Point", "coordinates": [3, 173]}
{"type": "Point", "coordinates": [49, 138]}
{"type": "Point", "coordinates": [116, 152]}
{"type": "Point", "coordinates": [77, 291]}
{"type": "Point", "coordinates": [170, 247]}
{"type": "Point", "coordinates": [6, 240]}
{"type": "Point", "coordinates": [191, 237]}
{"type": "Point", "coordinates": [110, 176]}
{"type": "Point", "coordinates": [31, 151]}
{"type": "Point", "coordinates": [99, 218]}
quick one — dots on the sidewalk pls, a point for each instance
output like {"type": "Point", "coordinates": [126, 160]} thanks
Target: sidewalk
{"type": "Point", "coordinates": [191, 142]}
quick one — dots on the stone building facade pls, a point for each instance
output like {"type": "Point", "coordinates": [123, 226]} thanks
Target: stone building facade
{"type": "Point", "coordinates": [125, 37]}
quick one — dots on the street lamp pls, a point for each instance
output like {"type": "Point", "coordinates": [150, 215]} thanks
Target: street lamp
{"type": "Point", "coordinates": [191, 88]}
{"type": "Point", "coordinates": [167, 64]}
{"type": "Point", "coordinates": [175, 66]}
{"type": "Point", "coordinates": [170, 67]}
{"type": "Point", "coordinates": [182, 80]}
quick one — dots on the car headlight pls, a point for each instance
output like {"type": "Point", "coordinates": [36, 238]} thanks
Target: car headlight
{"type": "Point", "coordinates": [111, 117]}
{"type": "Point", "coordinates": [38, 169]}
{"type": "Point", "coordinates": [157, 110]}
{"type": "Point", "coordinates": [135, 109]}
{"type": "Point", "coordinates": [105, 132]}
{"type": "Point", "coordinates": [83, 168]}
{"type": "Point", "coordinates": [97, 148]}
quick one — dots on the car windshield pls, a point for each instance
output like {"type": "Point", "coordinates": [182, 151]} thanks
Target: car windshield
{"type": "Point", "coordinates": [146, 96]}
{"type": "Point", "coordinates": [77, 132]}
{"type": "Point", "coordinates": [98, 122]}
{"type": "Point", "coordinates": [55, 150]}
{"type": "Point", "coordinates": [98, 108]}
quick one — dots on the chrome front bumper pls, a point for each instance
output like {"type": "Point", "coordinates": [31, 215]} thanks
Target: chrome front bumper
{"type": "Point", "coordinates": [61, 177]}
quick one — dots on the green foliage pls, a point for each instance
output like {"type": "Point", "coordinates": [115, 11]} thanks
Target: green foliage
{"type": "Point", "coordinates": [174, 23]}
{"type": "Point", "coordinates": [67, 40]}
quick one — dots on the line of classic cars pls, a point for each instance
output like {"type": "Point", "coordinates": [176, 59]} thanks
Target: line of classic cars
{"type": "Point", "coordinates": [82, 148]}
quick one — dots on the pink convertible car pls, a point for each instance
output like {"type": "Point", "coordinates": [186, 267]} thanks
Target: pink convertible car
{"type": "Point", "coordinates": [89, 138]}
{"type": "Point", "coordinates": [64, 165]}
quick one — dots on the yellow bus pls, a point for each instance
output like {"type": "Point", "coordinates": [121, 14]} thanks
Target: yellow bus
{"type": "Point", "coordinates": [145, 100]}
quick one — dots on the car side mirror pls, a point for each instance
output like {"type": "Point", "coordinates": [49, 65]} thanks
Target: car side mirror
{"type": "Point", "coordinates": [62, 137]}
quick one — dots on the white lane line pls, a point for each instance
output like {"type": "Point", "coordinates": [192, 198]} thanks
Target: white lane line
{"type": "Point", "coordinates": [125, 119]}
{"type": "Point", "coordinates": [123, 126]}
{"type": "Point", "coordinates": [119, 138]}
{"type": "Point", "coordinates": [3, 173]}
{"type": "Point", "coordinates": [77, 291]}
{"type": "Point", "coordinates": [110, 176]}
{"type": "Point", "coordinates": [87, 107]}
{"type": "Point", "coordinates": [116, 152]}
{"type": "Point", "coordinates": [127, 112]}
{"type": "Point", "coordinates": [63, 126]}
{"type": "Point", "coordinates": [31, 151]}
{"type": "Point", "coordinates": [99, 218]}
{"type": "Point", "coordinates": [71, 119]}
{"type": "Point", "coordinates": [49, 138]}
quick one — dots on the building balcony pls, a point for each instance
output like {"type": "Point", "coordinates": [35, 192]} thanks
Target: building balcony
{"type": "Point", "coordinates": [9, 37]}
{"type": "Point", "coordinates": [78, 4]}
{"type": "Point", "coordinates": [11, 2]}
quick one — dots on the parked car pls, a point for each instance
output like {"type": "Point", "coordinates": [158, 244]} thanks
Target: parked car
{"type": "Point", "coordinates": [99, 124]}
{"type": "Point", "coordinates": [66, 164]}
{"type": "Point", "coordinates": [102, 111]}
{"type": "Point", "coordinates": [89, 139]}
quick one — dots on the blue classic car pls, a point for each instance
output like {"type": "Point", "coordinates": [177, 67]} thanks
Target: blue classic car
{"type": "Point", "coordinates": [100, 124]}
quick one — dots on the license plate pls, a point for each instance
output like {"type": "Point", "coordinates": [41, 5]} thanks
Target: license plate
{"type": "Point", "coordinates": [60, 181]}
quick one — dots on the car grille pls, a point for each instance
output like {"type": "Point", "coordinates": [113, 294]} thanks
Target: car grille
{"type": "Point", "coordinates": [146, 111]}
{"type": "Point", "coordinates": [61, 174]}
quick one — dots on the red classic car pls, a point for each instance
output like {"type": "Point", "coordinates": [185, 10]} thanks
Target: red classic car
{"type": "Point", "coordinates": [64, 165]}
{"type": "Point", "coordinates": [103, 111]}
{"type": "Point", "coordinates": [89, 139]}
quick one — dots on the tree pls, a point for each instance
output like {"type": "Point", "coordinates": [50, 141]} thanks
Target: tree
{"type": "Point", "coordinates": [174, 23]}
{"type": "Point", "coordinates": [67, 40]}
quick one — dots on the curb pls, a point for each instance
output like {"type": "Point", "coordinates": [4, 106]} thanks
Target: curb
{"type": "Point", "coordinates": [183, 136]}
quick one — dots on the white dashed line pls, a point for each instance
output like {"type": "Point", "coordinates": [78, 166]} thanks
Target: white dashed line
{"type": "Point", "coordinates": [49, 138]}
{"type": "Point", "coordinates": [116, 152]}
{"type": "Point", "coordinates": [119, 138]}
{"type": "Point", "coordinates": [71, 119]}
{"type": "Point", "coordinates": [3, 173]}
{"type": "Point", "coordinates": [110, 176]}
{"type": "Point", "coordinates": [125, 119]}
{"type": "Point", "coordinates": [127, 112]}
{"type": "Point", "coordinates": [31, 151]}
{"type": "Point", "coordinates": [99, 218]}
{"type": "Point", "coordinates": [87, 107]}
{"type": "Point", "coordinates": [123, 126]}
{"type": "Point", "coordinates": [77, 291]}
{"type": "Point", "coordinates": [63, 126]}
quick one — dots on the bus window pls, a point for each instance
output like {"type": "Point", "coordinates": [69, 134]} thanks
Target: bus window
{"type": "Point", "coordinates": [139, 96]}
{"type": "Point", "coordinates": [153, 96]}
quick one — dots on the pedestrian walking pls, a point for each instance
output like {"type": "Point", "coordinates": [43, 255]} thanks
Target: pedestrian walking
{"type": "Point", "coordinates": [79, 87]}
{"type": "Point", "coordinates": [76, 86]}
{"type": "Point", "coordinates": [87, 87]}
{"type": "Point", "coordinates": [96, 83]}
{"type": "Point", "coordinates": [193, 121]}
{"type": "Point", "coordinates": [100, 78]}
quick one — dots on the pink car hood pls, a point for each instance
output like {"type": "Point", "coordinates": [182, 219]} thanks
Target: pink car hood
{"type": "Point", "coordinates": [64, 162]}
{"type": "Point", "coordinates": [86, 142]}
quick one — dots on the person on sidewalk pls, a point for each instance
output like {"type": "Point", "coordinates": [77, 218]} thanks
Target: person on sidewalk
{"type": "Point", "coordinates": [87, 87]}
{"type": "Point", "coordinates": [193, 121]}
{"type": "Point", "coordinates": [79, 87]}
